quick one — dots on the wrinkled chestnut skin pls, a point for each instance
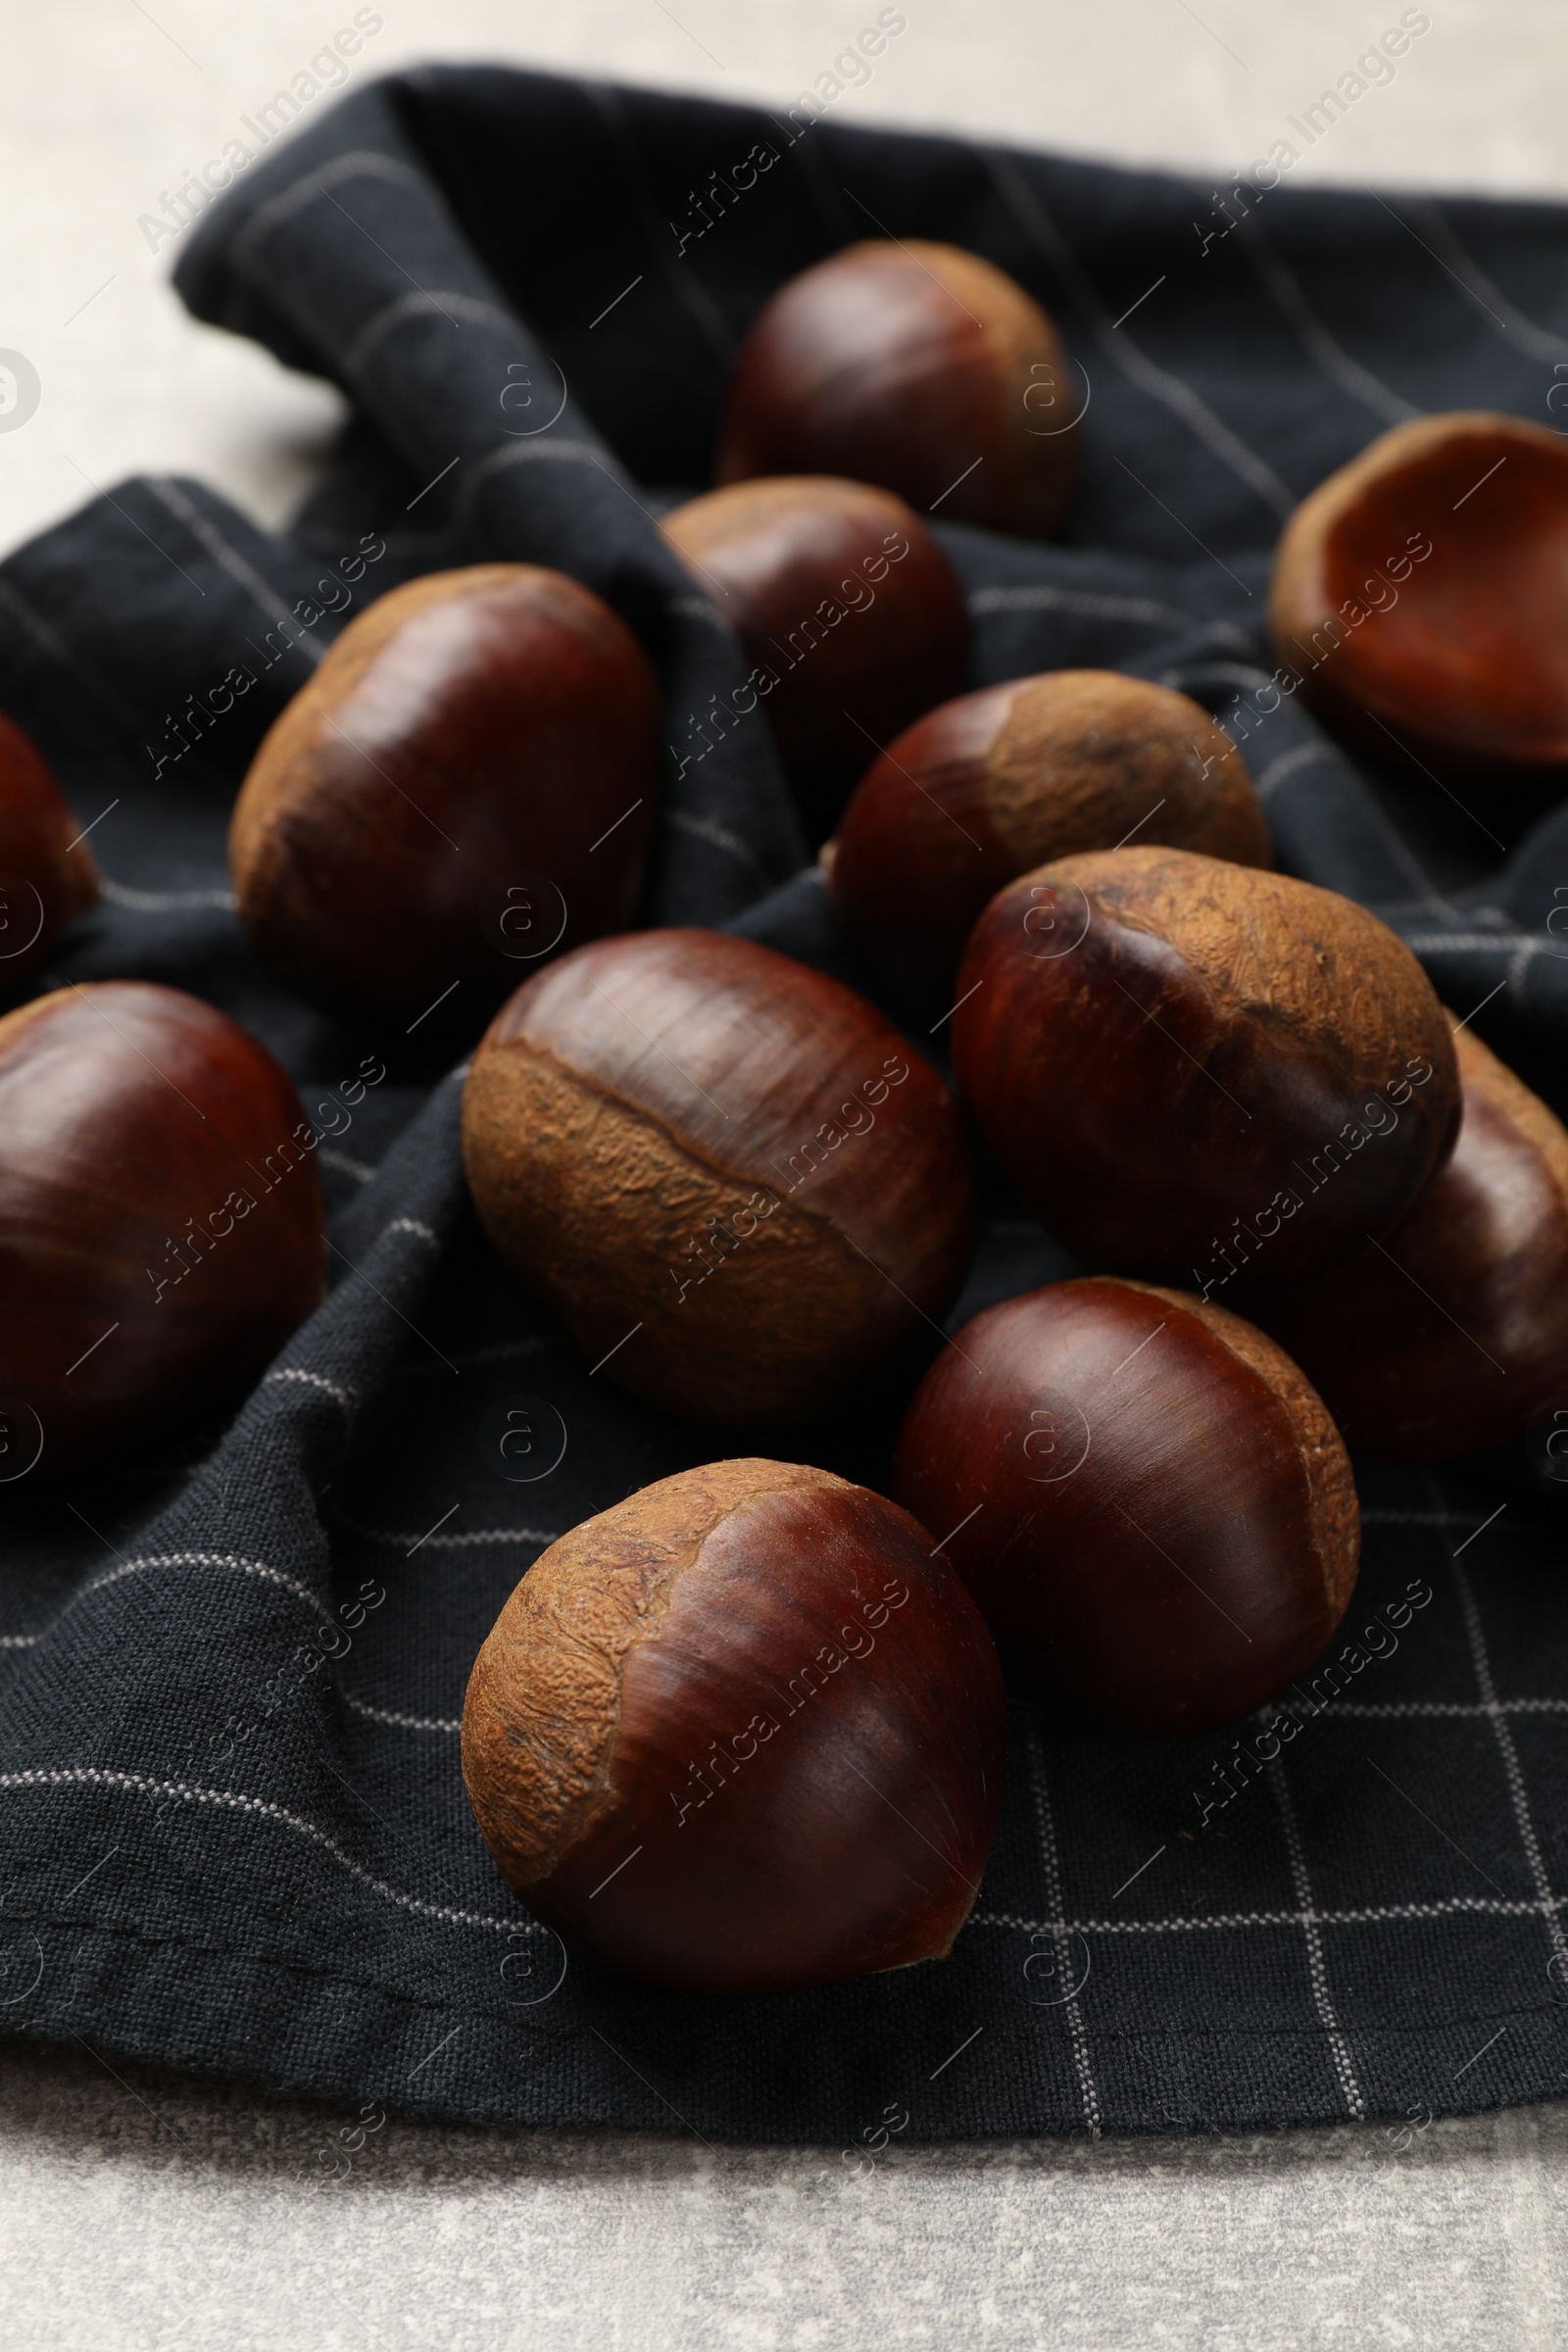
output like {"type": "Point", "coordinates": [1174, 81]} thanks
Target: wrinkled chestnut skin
{"type": "Point", "coordinates": [469, 728]}
{"type": "Point", "coordinates": [1460, 652]}
{"type": "Point", "coordinates": [1160, 1521]}
{"type": "Point", "coordinates": [133, 1121]}
{"type": "Point", "coordinates": [687, 1138]}
{"type": "Point", "coordinates": [841, 598]}
{"type": "Point", "coordinates": [905, 364]}
{"type": "Point", "coordinates": [987, 786]}
{"type": "Point", "coordinates": [1184, 1063]}
{"type": "Point", "coordinates": [1453, 1335]}
{"type": "Point", "coordinates": [740, 1734]}
{"type": "Point", "coordinates": [47, 877]}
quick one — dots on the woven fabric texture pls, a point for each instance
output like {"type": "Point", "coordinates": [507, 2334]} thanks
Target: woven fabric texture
{"type": "Point", "coordinates": [232, 1827]}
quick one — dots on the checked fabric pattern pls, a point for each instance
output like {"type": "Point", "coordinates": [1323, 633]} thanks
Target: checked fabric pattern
{"type": "Point", "coordinates": [233, 1829]}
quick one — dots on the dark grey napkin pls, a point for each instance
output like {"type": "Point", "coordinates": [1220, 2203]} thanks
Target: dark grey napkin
{"type": "Point", "coordinates": [233, 1829]}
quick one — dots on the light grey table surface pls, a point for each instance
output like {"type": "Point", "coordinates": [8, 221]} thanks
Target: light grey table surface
{"type": "Point", "coordinates": [145, 2209]}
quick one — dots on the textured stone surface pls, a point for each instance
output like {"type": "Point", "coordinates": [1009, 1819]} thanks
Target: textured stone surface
{"type": "Point", "coordinates": [145, 2210]}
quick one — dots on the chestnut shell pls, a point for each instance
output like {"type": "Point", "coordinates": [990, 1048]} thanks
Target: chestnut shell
{"type": "Point", "coordinates": [47, 876]}
{"type": "Point", "coordinates": [842, 598]}
{"type": "Point", "coordinates": [468, 731]}
{"type": "Point", "coordinates": [1455, 660]}
{"type": "Point", "coordinates": [994, 783]}
{"type": "Point", "coordinates": [918, 365]}
{"type": "Point", "coordinates": [1166, 1052]}
{"type": "Point", "coordinates": [1158, 1517]}
{"type": "Point", "coordinates": [629, 1117]}
{"type": "Point", "coordinates": [1453, 1335]}
{"type": "Point", "coordinates": [132, 1119]}
{"type": "Point", "coordinates": [618, 1758]}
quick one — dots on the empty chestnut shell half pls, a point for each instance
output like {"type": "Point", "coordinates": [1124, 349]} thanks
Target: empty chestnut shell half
{"type": "Point", "coordinates": [987, 786]}
{"type": "Point", "coordinates": [917, 366]}
{"type": "Point", "coordinates": [161, 1229]}
{"type": "Point", "coordinates": [1422, 595]}
{"type": "Point", "coordinates": [740, 1734]}
{"type": "Point", "coordinates": [466, 784]}
{"type": "Point", "coordinates": [1151, 1506]}
{"type": "Point", "coordinates": [1186, 1064]}
{"type": "Point", "coordinates": [47, 876]}
{"type": "Point", "coordinates": [848, 611]}
{"type": "Point", "coordinates": [1452, 1336]}
{"type": "Point", "coordinates": [725, 1172]}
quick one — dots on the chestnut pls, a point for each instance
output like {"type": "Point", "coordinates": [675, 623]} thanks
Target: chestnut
{"type": "Point", "coordinates": [848, 611]}
{"type": "Point", "coordinates": [742, 1733]}
{"type": "Point", "coordinates": [999, 781]}
{"type": "Point", "coordinates": [468, 778]}
{"type": "Point", "coordinates": [1151, 1506]}
{"type": "Point", "coordinates": [161, 1229]}
{"type": "Point", "coordinates": [725, 1172]}
{"type": "Point", "coordinates": [1421, 594]}
{"type": "Point", "coordinates": [47, 876]}
{"type": "Point", "coordinates": [1186, 1063]}
{"type": "Point", "coordinates": [1454, 1334]}
{"type": "Point", "coordinates": [918, 365]}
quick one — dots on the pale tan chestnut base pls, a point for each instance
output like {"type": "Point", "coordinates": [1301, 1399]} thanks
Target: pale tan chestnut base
{"type": "Point", "coordinates": [595, 1204]}
{"type": "Point", "coordinates": [1085, 755]}
{"type": "Point", "coordinates": [543, 1704]}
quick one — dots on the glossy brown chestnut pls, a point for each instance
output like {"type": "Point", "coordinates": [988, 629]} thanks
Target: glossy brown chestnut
{"type": "Point", "coordinates": [725, 1171]}
{"type": "Point", "coordinates": [848, 611]}
{"type": "Point", "coordinates": [918, 365]}
{"type": "Point", "coordinates": [1186, 1063]}
{"type": "Point", "coordinates": [161, 1229]}
{"type": "Point", "coordinates": [47, 876]}
{"type": "Point", "coordinates": [742, 1733]}
{"type": "Point", "coordinates": [432, 809]}
{"type": "Point", "coordinates": [987, 786]}
{"type": "Point", "coordinates": [1154, 1512]}
{"type": "Point", "coordinates": [1422, 595]}
{"type": "Point", "coordinates": [1452, 1336]}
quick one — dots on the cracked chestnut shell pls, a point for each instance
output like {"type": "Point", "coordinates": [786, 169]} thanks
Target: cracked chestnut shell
{"type": "Point", "coordinates": [918, 365]}
{"type": "Point", "coordinates": [1150, 1504]}
{"type": "Point", "coordinates": [1452, 1336]}
{"type": "Point", "coordinates": [471, 773]}
{"type": "Point", "coordinates": [849, 613]}
{"type": "Point", "coordinates": [725, 1172]}
{"type": "Point", "coordinates": [1186, 1063]}
{"type": "Point", "coordinates": [161, 1229]}
{"type": "Point", "coordinates": [994, 783]}
{"type": "Point", "coordinates": [740, 1734]}
{"type": "Point", "coordinates": [47, 876]}
{"type": "Point", "coordinates": [1421, 592]}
